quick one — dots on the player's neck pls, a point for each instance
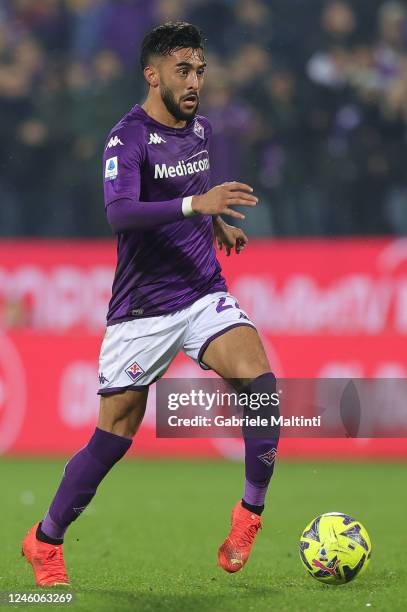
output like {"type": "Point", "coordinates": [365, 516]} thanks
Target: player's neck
{"type": "Point", "coordinates": [160, 113]}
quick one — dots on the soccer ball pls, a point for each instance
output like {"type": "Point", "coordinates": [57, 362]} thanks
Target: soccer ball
{"type": "Point", "coordinates": [335, 548]}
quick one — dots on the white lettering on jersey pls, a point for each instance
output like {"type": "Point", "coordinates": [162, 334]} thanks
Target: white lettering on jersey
{"type": "Point", "coordinates": [181, 169]}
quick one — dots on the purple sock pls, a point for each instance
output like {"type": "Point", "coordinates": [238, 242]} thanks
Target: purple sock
{"type": "Point", "coordinates": [82, 475]}
{"type": "Point", "coordinates": [260, 451]}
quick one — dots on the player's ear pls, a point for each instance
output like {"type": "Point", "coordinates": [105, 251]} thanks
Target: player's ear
{"type": "Point", "coordinates": [151, 76]}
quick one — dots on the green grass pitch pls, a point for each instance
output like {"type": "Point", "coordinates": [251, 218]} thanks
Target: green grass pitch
{"type": "Point", "coordinates": [149, 539]}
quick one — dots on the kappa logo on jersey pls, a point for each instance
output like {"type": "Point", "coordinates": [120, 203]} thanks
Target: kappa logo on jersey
{"type": "Point", "coordinates": [156, 139]}
{"type": "Point", "coordinates": [199, 129]}
{"type": "Point", "coordinates": [269, 457]}
{"type": "Point", "coordinates": [111, 168]}
{"type": "Point", "coordinates": [113, 142]}
{"type": "Point", "coordinates": [134, 371]}
{"type": "Point", "coordinates": [102, 379]}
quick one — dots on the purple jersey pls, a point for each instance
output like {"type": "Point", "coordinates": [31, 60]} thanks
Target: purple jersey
{"type": "Point", "coordinates": [166, 267]}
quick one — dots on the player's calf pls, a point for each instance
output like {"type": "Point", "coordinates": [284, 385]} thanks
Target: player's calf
{"type": "Point", "coordinates": [82, 475]}
{"type": "Point", "coordinates": [261, 442]}
{"type": "Point", "coordinates": [260, 453]}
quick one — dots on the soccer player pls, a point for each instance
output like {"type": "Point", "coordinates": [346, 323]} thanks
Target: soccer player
{"type": "Point", "coordinates": [168, 292]}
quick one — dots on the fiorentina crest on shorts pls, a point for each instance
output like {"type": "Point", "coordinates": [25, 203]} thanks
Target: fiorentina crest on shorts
{"type": "Point", "coordinates": [269, 457]}
{"type": "Point", "coordinates": [199, 129]}
{"type": "Point", "coordinates": [134, 371]}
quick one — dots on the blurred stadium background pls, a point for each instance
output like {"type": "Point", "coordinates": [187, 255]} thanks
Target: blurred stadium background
{"type": "Point", "coordinates": [308, 99]}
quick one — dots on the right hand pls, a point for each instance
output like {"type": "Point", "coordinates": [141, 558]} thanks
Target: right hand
{"type": "Point", "coordinates": [217, 201]}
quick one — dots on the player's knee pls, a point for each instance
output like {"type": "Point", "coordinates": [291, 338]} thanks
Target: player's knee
{"type": "Point", "coordinates": [126, 428]}
{"type": "Point", "coordinates": [249, 370]}
{"type": "Point", "coordinates": [248, 373]}
{"type": "Point", "coordinates": [121, 415]}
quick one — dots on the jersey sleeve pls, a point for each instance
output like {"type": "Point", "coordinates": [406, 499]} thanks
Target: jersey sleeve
{"type": "Point", "coordinates": [122, 159]}
{"type": "Point", "coordinates": [206, 124]}
{"type": "Point", "coordinates": [208, 139]}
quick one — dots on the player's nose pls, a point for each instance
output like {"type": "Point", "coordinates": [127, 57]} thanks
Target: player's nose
{"type": "Point", "coordinates": [194, 81]}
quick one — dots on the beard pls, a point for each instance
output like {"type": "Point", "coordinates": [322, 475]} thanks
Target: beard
{"type": "Point", "coordinates": [174, 107]}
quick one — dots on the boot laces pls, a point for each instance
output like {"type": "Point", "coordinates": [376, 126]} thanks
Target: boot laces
{"type": "Point", "coordinates": [244, 533]}
{"type": "Point", "coordinates": [54, 564]}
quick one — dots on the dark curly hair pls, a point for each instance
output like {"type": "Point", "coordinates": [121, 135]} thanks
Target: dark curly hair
{"type": "Point", "coordinates": [169, 37]}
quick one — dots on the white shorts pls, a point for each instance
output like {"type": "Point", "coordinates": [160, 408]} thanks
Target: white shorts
{"type": "Point", "coordinates": [136, 353]}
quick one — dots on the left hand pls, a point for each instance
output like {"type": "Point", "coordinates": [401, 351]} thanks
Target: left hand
{"type": "Point", "coordinates": [228, 236]}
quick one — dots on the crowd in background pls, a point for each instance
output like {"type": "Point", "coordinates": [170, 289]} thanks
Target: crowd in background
{"type": "Point", "coordinates": [308, 101]}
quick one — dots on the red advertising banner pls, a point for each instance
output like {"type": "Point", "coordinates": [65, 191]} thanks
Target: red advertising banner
{"type": "Point", "coordinates": [334, 308]}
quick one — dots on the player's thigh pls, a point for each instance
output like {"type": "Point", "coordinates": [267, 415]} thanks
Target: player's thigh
{"type": "Point", "coordinates": [221, 337]}
{"type": "Point", "coordinates": [237, 354]}
{"type": "Point", "coordinates": [122, 413]}
{"type": "Point", "coordinates": [136, 353]}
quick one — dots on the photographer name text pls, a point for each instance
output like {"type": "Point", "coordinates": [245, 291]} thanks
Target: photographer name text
{"type": "Point", "coordinates": [245, 421]}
